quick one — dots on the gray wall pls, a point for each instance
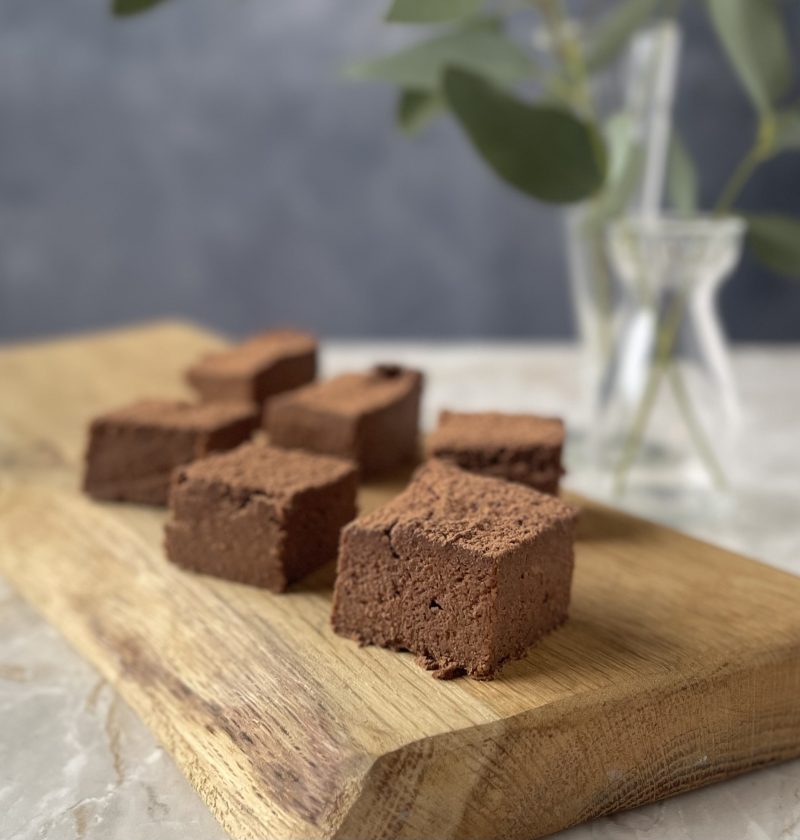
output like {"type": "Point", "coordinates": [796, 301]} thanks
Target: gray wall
{"type": "Point", "coordinates": [207, 160]}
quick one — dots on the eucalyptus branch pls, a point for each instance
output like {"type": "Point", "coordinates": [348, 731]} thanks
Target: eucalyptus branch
{"type": "Point", "coordinates": [665, 365]}
{"type": "Point", "coordinates": [704, 448]}
{"type": "Point", "coordinates": [568, 50]}
{"type": "Point", "coordinates": [665, 341]}
{"type": "Point", "coordinates": [741, 175]}
{"type": "Point", "coordinates": [761, 149]}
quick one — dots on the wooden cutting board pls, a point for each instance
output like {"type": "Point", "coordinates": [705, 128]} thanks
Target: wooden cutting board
{"type": "Point", "coordinates": [679, 666]}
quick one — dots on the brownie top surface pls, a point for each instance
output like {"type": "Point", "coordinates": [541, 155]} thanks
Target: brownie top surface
{"type": "Point", "coordinates": [460, 430]}
{"type": "Point", "coordinates": [182, 415]}
{"type": "Point", "coordinates": [268, 470]}
{"type": "Point", "coordinates": [450, 506]}
{"type": "Point", "coordinates": [253, 354]}
{"type": "Point", "coordinates": [355, 393]}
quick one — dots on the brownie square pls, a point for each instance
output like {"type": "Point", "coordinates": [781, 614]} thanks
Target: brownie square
{"type": "Point", "coordinates": [518, 447]}
{"type": "Point", "coordinates": [259, 514]}
{"type": "Point", "coordinates": [256, 369]}
{"type": "Point", "coordinates": [133, 450]}
{"type": "Point", "coordinates": [370, 417]}
{"type": "Point", "coordinates": [465, 571]}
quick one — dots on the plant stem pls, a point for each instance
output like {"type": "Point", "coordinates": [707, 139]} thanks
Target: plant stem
{"type": "Point", "coordinates": [740, 176]}
{"type": "Point", "coordinates": [662, 364]}
{"type": "Point", "coordinates": [594, 232]}
{"type": "Point", "coordinates": [667, 333]}
{"type": "Point", "coordinates": [761, 149]}
{"type": "Point", "coordinates": [576, 89]}
{"type": "Point", "coordinates": [634, 439]}
{"type": "Point", "coordinates": [568, 50]}
{"type": "Point", "coordinates": [704, 448]}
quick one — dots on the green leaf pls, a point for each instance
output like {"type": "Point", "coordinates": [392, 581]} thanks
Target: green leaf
{"type": "Point", "coordinates": [787, 131]}
{"type": "Point", "coordinates": [753, 35]}
{"type": "Point", "coordinates": [615, 30]}
{"type": "Point", "coordinates": [126, 8]}
{"type": "Point", "coordinates": [415, 108]}
{"type": "Point", "coordinates": [775, 240]}
{"type": "Point", "coordinates": [479, 46]}
{"type": "Point", "coordinates": [431, 11]}
{"type": "Point", "coordinates": [543, 151]}
{"type": "Point", "coordinates": [682, 187]}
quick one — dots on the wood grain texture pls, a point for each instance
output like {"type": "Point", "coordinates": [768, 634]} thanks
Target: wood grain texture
{"type": "Point", "coordinates": [680, 664]}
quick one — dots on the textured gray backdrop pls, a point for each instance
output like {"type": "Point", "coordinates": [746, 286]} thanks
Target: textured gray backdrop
{"type": "Point", "coordinates": [208, 160]}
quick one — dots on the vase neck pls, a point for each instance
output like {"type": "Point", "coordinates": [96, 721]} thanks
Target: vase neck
{"type": "Point", "coordinates": [654, 256]}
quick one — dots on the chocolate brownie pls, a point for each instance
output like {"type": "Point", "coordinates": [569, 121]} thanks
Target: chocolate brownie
{"type": "Point", "coordinates": [133, 450]}
{"type": "Point", "coordinates": [463, 570]}
{"type": "Point", "coordinates": [255, 370]}
{"type": "Point", "coordinates": [371, 417]}
{"type": "Point", "coordinates": [260, 515]}
{"type": "Point", "coordinates": [518, 447]}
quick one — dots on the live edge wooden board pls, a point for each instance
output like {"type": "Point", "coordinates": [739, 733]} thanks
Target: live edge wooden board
{"type": "Point", "coordinates": [679, 666]}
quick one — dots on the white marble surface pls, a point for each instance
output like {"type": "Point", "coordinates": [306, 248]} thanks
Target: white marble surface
{"type": "Point", "coordinates": [76, 763]}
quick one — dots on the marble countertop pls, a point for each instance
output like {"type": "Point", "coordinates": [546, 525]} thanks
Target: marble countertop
{"type": "Point", "coordinates": [75, 762]}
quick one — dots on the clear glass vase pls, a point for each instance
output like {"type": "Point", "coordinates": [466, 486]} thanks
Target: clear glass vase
{"type": "Point", "coordinates": [667, 410]}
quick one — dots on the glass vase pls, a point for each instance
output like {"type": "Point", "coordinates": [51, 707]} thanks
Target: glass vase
{"type": "Point", "coordinates": [667, 410]}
